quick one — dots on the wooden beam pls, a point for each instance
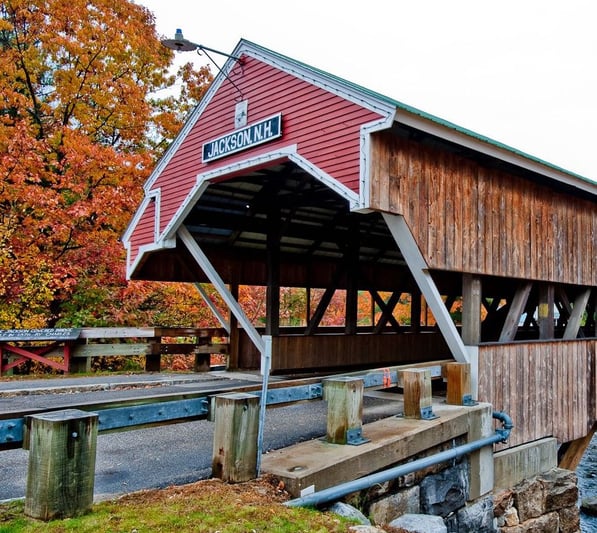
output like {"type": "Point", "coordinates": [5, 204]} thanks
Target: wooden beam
{"type": "Point", "coordinates": [313, 323]}
{"type": "Point", "coordinates": [575, 450]}
{"type": "Point", "coordinates": [204, 263]}
{"type": "Point", "coordinates": [272, 299]}
{"type": "Point", "coordinates": [61, 469]}
{"type": "Point", "coordinates": [471, 309]}
{"type": "Point", "coordinates": [517, 307]}
{"type": "Point", "coordinates": [458, 378]}
{"type": "Point", "coordinates": [116, 333]}
{"type": "Point", "coordinates": [415, 311]}
{"type": "Point", "coordinates": [545, 315]}
{"type": "Point", "coordinates": [344, 396]}
{"type": "Point", "coordinates": [575, 318]}
{"type": "Point", "coordinates": [326, 298]}
{"type": "Point", "coordinates": [387, 311]}
{"type": "Point", "coordinates": [235, 437]}
{"type": "Point", "coordinates": [351, 257]}
{"type": "Point", "coordinates": [420, 271]}
{"type": "Point", "coordinates": [316, 465]}
{"type": "Point", "coordinates": [233, 355]}
{"type": "Point", "coordinates": [418, 401]}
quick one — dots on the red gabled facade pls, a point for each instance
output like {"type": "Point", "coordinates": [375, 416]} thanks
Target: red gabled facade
{"type": "Point", "coordinates": [322, 125]}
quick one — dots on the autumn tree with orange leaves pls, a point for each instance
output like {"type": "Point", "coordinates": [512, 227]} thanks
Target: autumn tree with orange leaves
{"type": "Point", "coordinates": [85, 112]}
{"type": "Point", "coordinates": [80, 128]}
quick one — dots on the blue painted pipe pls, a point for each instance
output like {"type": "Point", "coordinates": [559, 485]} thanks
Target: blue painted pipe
{"type": "Point", "coordinates": [339, 491]}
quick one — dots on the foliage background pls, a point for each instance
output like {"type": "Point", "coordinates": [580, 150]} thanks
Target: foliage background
{"type": "Point", "coordinates": [87, 108]}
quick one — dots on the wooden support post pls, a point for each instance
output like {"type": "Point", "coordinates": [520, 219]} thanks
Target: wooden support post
{"type": "Point", "coordinates": [153, 359]}
{"type": "Point", "coordinates": [351, 256]}
{"type": "Point", "coordinates": [416, 383]}
{"type": "Point", "coordinates": [76, 365]}
{"type": "Point", "coordinates": [61, 469]}
{"type": "Point", "coordinates": [545, 314]}
{"type": "Point", "coordinates": [458, 377]}
{"type": "Point", "coordinates": [233, 354]}
{"type": "Point", "coordinates": [415, 310]}
{"type": "Point", "coordinates": [5, 359]}
{"type": "Point", "coordinates": [235, 437]}
{"type": "Point", "coordinates": [481, 462]}
{"type": "Point", "coordinates": [471, 310]}
{"type": "Point", "coordinates": [345, 410]}
{"type": "Point", "coordinates": [202, 362]}
{"type": "Point", "coordinates": [272, 301]}
{"type": "Point", "coordinates": [572, 452]}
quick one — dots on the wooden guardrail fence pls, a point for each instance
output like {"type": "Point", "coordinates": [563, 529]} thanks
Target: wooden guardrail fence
{"type": "Point", "coordinates": [71, 349]}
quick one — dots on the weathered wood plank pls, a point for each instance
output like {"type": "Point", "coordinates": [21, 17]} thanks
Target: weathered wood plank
{"type": "Point", "coordinates": [235, 437]}
{"type": "Point", "coordinates": [345, 408]}
{"type": "Point", "coordinates": [522, 228]}
{"type": "Point", "coordinates": [61, 469]}
{"type": "Point", "coordinates": [471, 309]}
{"type": "Point", "coordinates": [108, 350]}
{"type": "Point", "coordinates": [116, 333]}
{"type": "Point", "coordinates": [517, 307]}
{"type": "Point", "coordinates": [458, 377]}
{"type": "Point", "coordinates": [416, 383]}
{"type": "Point", "coordinates": [541, 386]}
{"type": "Point", "coordinates": [335, 351]}
{"type": "Point", "coordinates": [576, 316]}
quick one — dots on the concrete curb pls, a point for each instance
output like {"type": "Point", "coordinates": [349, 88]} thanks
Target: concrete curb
{"type": "Point", "coordinates": [55, 388]}
{"type": "Point", "coordinates": [93, 387]}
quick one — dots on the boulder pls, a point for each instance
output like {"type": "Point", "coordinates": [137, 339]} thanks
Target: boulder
{"type": "Point", "coordinates": [419, 523]}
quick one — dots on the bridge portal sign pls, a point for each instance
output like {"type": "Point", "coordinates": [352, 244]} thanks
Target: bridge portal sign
{"type": "Point", "coordinates": [54, 334]}
{"type": "Point", "coordinates": [253, 135]}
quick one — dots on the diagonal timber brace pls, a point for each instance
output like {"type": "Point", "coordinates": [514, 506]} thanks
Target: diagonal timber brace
{"type": "Point", "coordinates": [213, 276]}
{"type": "Point", "coordinates": [420, 271]}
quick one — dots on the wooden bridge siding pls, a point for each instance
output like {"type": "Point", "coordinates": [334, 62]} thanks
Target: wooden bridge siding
{"type": "Point", "coordinates": [548, 388]}
{"type": "Point", "coordinates": [470, 218]}
{"type": "Point", "coordinates": [338, 350]}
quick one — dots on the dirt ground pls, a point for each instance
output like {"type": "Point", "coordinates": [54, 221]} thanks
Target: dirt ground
{"type": "Point", "coordinates": [263, 491]}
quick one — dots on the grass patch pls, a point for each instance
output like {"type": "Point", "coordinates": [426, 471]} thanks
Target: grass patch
{"type": "Point", "coordinates": [204, 507]}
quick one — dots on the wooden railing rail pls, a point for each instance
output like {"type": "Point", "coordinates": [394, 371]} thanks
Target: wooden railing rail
{"type": "Point", "coordinates": [71, 349]}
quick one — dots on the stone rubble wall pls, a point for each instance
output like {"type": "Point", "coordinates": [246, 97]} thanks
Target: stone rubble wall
{"type": "Point", "coordinates": [544, 503]}
{"type": "Point", "coordinates": [547, 502]}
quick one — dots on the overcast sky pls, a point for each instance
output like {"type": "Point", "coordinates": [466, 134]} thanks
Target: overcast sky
{"type": "Point", "coordinates": [522, 72]}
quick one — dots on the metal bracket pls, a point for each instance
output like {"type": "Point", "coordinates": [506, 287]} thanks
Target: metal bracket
{"type": "Point", "coordinates": [294, 394]}
{"type": "Point", "coordinates": [467, 401]}
{"type": "Point", "coordinates": [427, 413]}
{"type": "Point", "coordinates": [11, 431]}
{"type": "Point", "coordinates": [354, 437]}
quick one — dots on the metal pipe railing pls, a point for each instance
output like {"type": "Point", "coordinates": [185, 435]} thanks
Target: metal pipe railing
{"type": "Point", "coordinates": [335, 493]}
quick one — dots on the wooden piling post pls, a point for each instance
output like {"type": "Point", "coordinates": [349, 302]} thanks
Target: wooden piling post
{"type": "Point", "coordinates": [345, 410]}
{"type": "Point", "coordinates": [418, 401]}
{"type": "Point", "coordinates": [235, 437]}
{"type": "Point", "coordinates": [153, 358]}
{"type": "Point", "coordinates": [458, 377]}
{"type": "Point", "coordinates": [61, 468]}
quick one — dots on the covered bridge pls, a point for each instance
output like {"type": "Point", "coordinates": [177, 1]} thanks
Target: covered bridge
{"type": "Point", "coordinates": [287, 176]}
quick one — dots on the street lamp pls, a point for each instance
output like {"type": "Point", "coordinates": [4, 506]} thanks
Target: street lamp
{"type": "Point", "coordinates": [180, 44]}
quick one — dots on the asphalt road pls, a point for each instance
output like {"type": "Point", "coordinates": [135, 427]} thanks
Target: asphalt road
{"type": "Point", "coordinates": [167, 455]}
